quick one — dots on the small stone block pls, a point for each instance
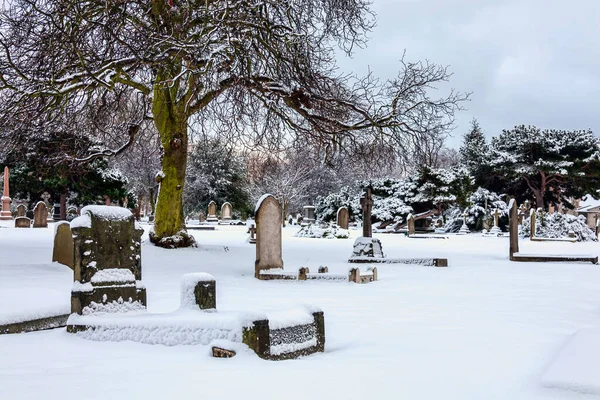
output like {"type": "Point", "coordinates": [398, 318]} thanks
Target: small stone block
{"type": "Point", "coordinates": [440, 262]}
{"type": "Point", "coordinates": [218, 352]}
{"type": "Point", "coordinates": [206, 295]}
{"type": "Point", "coordinates": [302, 273]}
{"type": "Point", "coordinates": [323, 270]}
{"type": "Point", "coordinates": [354, 275]}
{"type": "Point", "coordinates": [22, 222]}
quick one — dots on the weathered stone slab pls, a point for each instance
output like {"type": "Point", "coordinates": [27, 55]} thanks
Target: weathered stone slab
{"type": "Point", "coordinates": [268, 235]}
{"type": "Point", "coordinates": [226, 212]}
{"type": "Point", "coordinates": [40, 215]}
{"type": "Point", "coordinates": [22, 222]}
{"type": "Point", "coordinates": [21, 210]}
{"type": "Point", "coordinates": [212, 212]}
{"type": "Point", "coordinates": [343, 217]}
{"type": "Point", "coordinates": [40, 324]}
{"type": "Point", "coordinates": [107, 261]}
{"type": "Point", "coordinates": [63, 244]}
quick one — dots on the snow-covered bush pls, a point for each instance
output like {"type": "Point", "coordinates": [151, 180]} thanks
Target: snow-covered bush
{"type": "Point", "coordinates": [323, 232]}
{"type": "Point", "coordinates": [327, 207]}
{"type": "Point", "coordinates": [477, 216]}
{"type": "Point", "coordinates": [558, 225]}
{"type": "Point", "coordinates": [454, 220]}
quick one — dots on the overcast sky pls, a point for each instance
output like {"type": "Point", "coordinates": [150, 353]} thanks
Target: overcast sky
{"type": "Point", "coordinates": [526, 62]}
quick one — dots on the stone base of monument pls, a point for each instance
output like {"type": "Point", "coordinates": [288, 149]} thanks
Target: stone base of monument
{"type": "Point", "coordinates": [354, 275]}
{"type": "Point", "coordinates": [554, 258]}
{"type": "Point", "coordinates": [276, 336]}
{"type": "Point", "coordinates": [367, 247]}
{"type": "Point", "coordinates": [110, 290]}
{"type": "Point", "coordinates": [543, 239]}
{"type": "Point", "coordinates": [212, 219]}
{"type": "Point", "coordinates": [427, 262]}
{"type": "Point", "coordinates": [464, 229]}
{"type": "Point", "coordinates": [200, 227]}
{"type": "Point", "coordinates": [39, 324]}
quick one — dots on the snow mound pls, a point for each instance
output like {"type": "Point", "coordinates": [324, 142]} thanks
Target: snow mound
{"type": "Point", "coordinates": [188, 284]}
{"type": "Point", "coordinates": [328, 232]}
{"type": "Point", "coordinates": [113, 275]}
{"type": "Point", "coordinates": [109, 213]}
{"type": "Point", "coordinates": [577, 365]}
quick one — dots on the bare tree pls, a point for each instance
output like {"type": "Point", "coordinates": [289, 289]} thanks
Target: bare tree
{"type": "Point", "coordinates": [252, 68]}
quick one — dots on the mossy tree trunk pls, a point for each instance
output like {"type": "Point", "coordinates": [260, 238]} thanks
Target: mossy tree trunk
{"type": "Point", "coordinates": [171, 123]}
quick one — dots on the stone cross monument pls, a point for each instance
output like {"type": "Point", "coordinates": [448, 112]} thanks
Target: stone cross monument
{"type": "Point", "coordinates": [366, 203]}
{"type": "Point", "coordinates": [5, 213]}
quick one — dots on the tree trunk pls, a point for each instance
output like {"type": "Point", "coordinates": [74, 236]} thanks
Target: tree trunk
{"type": "Point", "coordinates": [169, 225]}
{"type": "Point", "coordinates": [284, 211]}
{"type": "Point", "coordinates": [152, 199]}
{"type": "Point", "coordinates": [63, 206]}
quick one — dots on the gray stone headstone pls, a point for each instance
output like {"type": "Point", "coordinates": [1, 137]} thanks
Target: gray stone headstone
{"type": "Point", "coordinates": [40, 215]}
{"type": "Point", "coordinates": [21, 210]}
{"type": "Point", "coordinates": [532, 223]}
{"type": "Point", "coordinates": [106, 261]}
{"type": "Point", "coordinates": [343, 217]}
{"type": "Point", "coordinates": [63, 244]}
{"type": "Point", "coordinates": [366, 202]}
{"type": "Point", "coordinates": [226, 211]}
{"type": "Point", "coordinates": [22, 222]}
{"type": "Point", "coordinates": [268, 235]}
{"type": "Point", "coordinates": [309, 214]}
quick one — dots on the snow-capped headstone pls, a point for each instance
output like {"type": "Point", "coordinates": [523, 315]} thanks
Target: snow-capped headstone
{"type": "Point", "coordinates": [226, 212]}
{"type": "Point", "coordinates": [22, 222]}
{"type": "Point", "coordinates": [5, 214]}
{"type": "Point", "coordinates": [21, 210]}
{"type": "Point", "coordinates": [366, 245]}
{"type": "Point", "coordinates": [40, 215]}
{"type": "Point", "coordinates": [268, 235]}
{"type": "Point", "coordinates": [46, 198]}
{"type": "Point", "coordinates": [63, 244]}
{"type": "Point", "coordinates": [343, 217]}
{"type": "Point", "coordinates": [107, 261]}
{"type": "Point", "coordinates": [212, 212]}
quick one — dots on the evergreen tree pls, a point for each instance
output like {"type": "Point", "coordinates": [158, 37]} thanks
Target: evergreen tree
{"type": "Point", "coordinates": [551, 165]}
{"type": "Point", "coordinates": [474, 150]}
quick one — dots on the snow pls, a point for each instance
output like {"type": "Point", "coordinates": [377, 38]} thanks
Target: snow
{"type": "Point", "coordinates": [108, 212]}
{"type": "Point", "coordinates": [577, 365]}
{"type": "Point", "coordinates": [83, 221]}
{"type": "Point", "coordinates": [483, 328]}
{"type": "Point", "coordinates": [188, 284]}
{"type": "Point", "coordinates": [59, 223]}
{"type": "Point", "coordinates": [260, 201]}
{"type": "Point", "coordinates": [113, 275]}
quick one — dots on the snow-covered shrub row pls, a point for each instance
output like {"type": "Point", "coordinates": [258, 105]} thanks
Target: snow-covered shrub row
{"type": "Point", "coordinates": [327, 207]}
{"type": "Point", "coordinates": [323, 232]}
{"type": "Point", "coordinates": [558, 225]}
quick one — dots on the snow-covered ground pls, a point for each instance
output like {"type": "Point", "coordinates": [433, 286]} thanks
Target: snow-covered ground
{"type": "Point", "coordinates": [484, 328]}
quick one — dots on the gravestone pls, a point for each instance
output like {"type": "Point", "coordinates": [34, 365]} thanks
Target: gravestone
{"type": "Point", "coordinates": [212, 212]}
{"type": "Point", "coordinates": [63, 244]}
{"type": "Point", "coordinates": [496, 229]}
{"type": "Point", "coordinates": [309, 214]}
{"type": "Point", "coordinates": [5, 214]}
{"type": "Point", "coordinates": [22, 222]}
{"type": "Point", "coordinates": [343, 217]}
{"type": "Point", "coordinates": [252, 234]}
{"type": "Point", "coordinates": [226, 212]}
{"type": "Point", "coordinates": [464, 229]}
{"type": "Point", "coordinates": [46, 197]}
{"type": "Point", "coordinates": [202, 217]}
{"type": "Point", "coordinates": [56, 212]}
{"type": "Point", "coordinates": [268, 235]}
{"type": "Point", "coordinates": [40, 215]}
{"type": "Point", "coordinates": [106, 261]}
{"type": "Point", "coordinates": [366, 245]}
{"type": "Point", "coordinates": [410, 222]}
{"type": "Point", "coordinates": [21, 210]}
{"type": "Point", "coordinates": [513, 227]}
{"type": "Point", "coordinates": [532, 217]}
